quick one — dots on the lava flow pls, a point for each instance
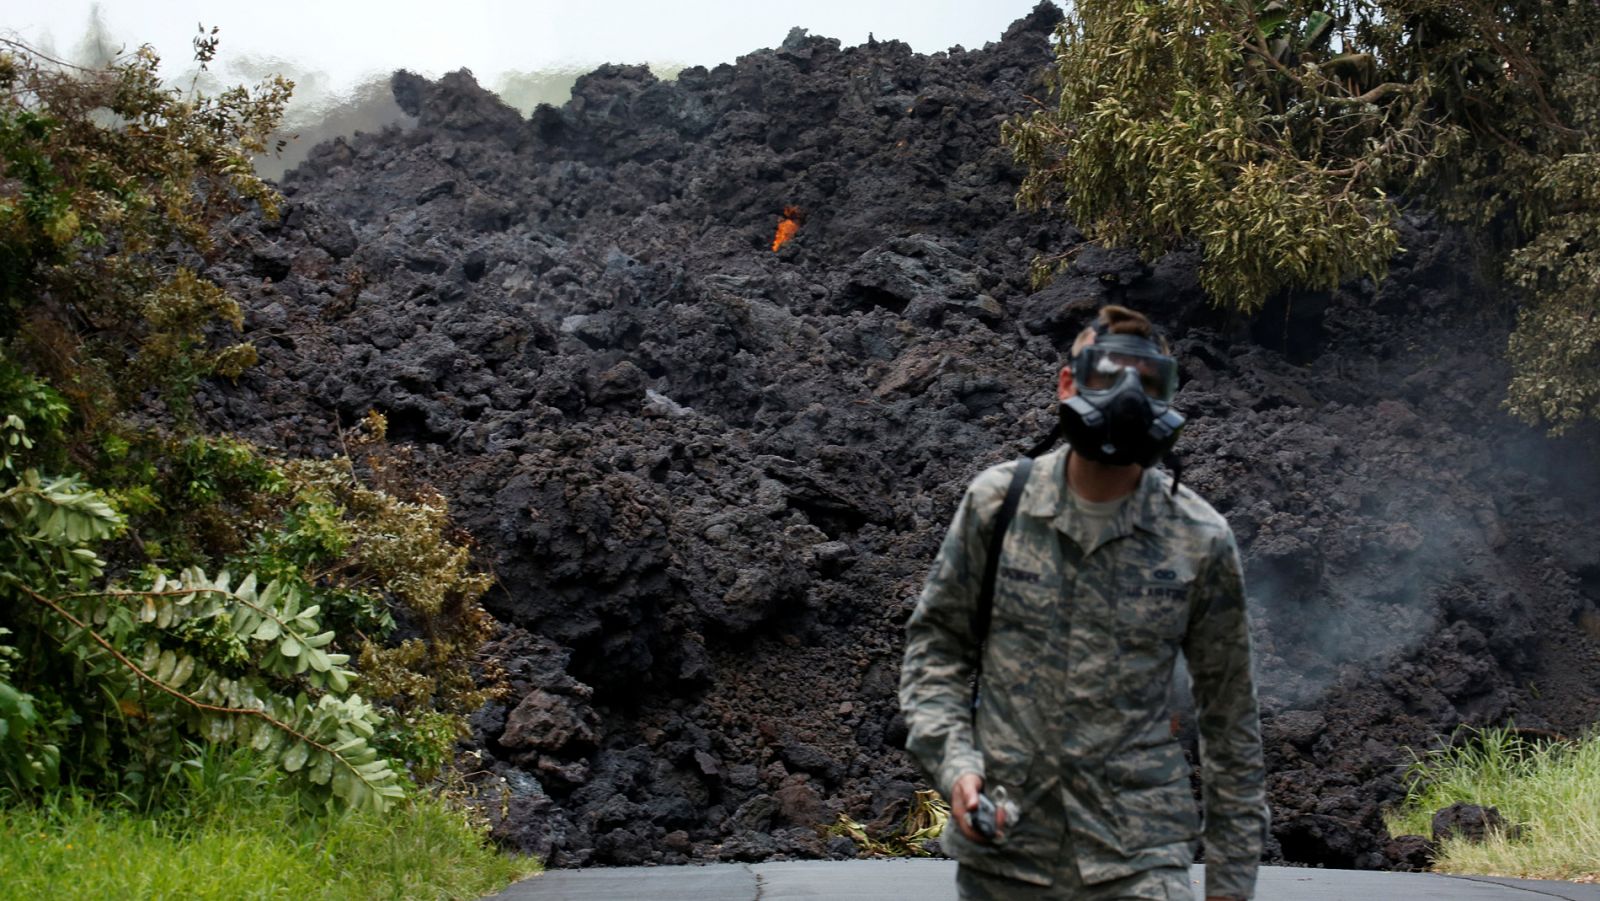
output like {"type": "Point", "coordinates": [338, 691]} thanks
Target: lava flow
{"type": "Point", "coordinates": [788, 226]}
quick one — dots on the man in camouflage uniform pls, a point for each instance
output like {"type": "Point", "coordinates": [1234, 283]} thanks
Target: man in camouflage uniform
{"type": "Point", "coordinates": [1105, 576]}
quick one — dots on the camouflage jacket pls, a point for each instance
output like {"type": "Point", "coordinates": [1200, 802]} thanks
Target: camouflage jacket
{"type": "Point", "coordinates": [1075, 713]}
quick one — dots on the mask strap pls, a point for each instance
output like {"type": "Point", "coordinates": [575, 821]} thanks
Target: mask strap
{"type": "Point", "coordinates": [1048, 441]}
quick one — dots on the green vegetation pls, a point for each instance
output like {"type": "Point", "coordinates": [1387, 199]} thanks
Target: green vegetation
{"type": "Point", "coordinates": [1550, 789]}
{"type": "Point", "coordinates": [1280, 135]}
{"type": "Point", "coordinates": [232, 836]}
{"type": "Point", "coordinates": [172, 597]}
{"type": "Point", "coordinates": [162, 586]}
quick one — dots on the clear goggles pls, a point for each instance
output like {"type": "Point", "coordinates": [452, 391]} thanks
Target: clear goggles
{"type": "Point", "coordinates": [1099, 366]}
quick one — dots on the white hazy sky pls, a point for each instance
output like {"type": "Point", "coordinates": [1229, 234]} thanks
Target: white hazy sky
{"type": "Point", "coordinates": [351, 40]}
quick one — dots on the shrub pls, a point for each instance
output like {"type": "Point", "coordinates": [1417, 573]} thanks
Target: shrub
{"type": "Point", "coordinates": [161, 586]}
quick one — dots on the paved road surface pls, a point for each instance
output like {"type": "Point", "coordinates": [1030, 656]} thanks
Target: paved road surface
{"type": "Point", "coordinates": [934, 880]}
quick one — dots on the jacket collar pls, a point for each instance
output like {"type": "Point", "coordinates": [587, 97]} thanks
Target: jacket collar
{"type": "Point", "coordinates": [1046, 498]}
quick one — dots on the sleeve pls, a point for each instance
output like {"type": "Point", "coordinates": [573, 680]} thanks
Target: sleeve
{"type": "Point", "coordinates": [1233, 775]}
{"type": "Point", "coordinates": [935, 676]}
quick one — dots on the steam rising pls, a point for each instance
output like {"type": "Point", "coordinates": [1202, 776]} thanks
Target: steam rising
{"type": "Point", "coordinates": [319, 110]}
{"type": "Point", "coordinates": [314, 117]}
{"type": "Point", "coordinates": [96, 48]}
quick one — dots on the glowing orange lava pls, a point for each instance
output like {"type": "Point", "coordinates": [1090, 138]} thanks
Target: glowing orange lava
{"type": "Point", "coordinates": [788, 225]}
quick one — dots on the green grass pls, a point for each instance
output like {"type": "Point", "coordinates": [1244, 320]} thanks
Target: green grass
{"type": "Point", "coordinates": [238, 838]}
{"type": "Point", "coordinates": [1552, 789]}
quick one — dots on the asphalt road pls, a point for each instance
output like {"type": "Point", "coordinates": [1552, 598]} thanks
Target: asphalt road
{"type": "Point", "coordinates": [934, 880]}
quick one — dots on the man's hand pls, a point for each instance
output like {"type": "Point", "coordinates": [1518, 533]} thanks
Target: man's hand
{"type": "Point", "coordinates": [964, 800]}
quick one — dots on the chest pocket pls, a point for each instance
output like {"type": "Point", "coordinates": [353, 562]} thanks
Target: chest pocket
{"type": "Point", "coordinates": [1024, 598]}
{"type": "Point", "coordinates": [1153, 603]}
{"type": "Point", "coordinates": [1028, 583]}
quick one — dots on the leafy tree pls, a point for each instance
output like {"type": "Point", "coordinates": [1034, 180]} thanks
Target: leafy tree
{"type": "Point", "coordinates": [1280, 136]}
{"type": "Point", "coordinates": [125, 640]}
{"type": "Point", "coordinates": [114, 187]}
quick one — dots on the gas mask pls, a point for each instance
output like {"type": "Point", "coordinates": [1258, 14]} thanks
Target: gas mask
{"type": "Point", "coordinates": [1122, 411]}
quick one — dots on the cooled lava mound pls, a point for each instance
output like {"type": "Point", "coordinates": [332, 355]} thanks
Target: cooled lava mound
{"type": "Point", "coordinates": [709, 457]}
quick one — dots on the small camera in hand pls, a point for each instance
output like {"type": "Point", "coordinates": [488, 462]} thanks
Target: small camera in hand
{"type": "Point", "coordinates": [994, 817]}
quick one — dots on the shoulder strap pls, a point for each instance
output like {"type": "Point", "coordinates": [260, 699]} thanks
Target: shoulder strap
{"type": "Point", "coordinates": [991, 569]}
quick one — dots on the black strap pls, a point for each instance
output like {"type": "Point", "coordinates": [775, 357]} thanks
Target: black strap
{"type": "Point", "coordinates": [1047, 441]}
{"type": "Point", "coordinates": [991, 569]}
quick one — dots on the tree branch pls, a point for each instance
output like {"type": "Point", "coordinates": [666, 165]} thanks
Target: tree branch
{"type": "Point", "coordinates": [162, 686]}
